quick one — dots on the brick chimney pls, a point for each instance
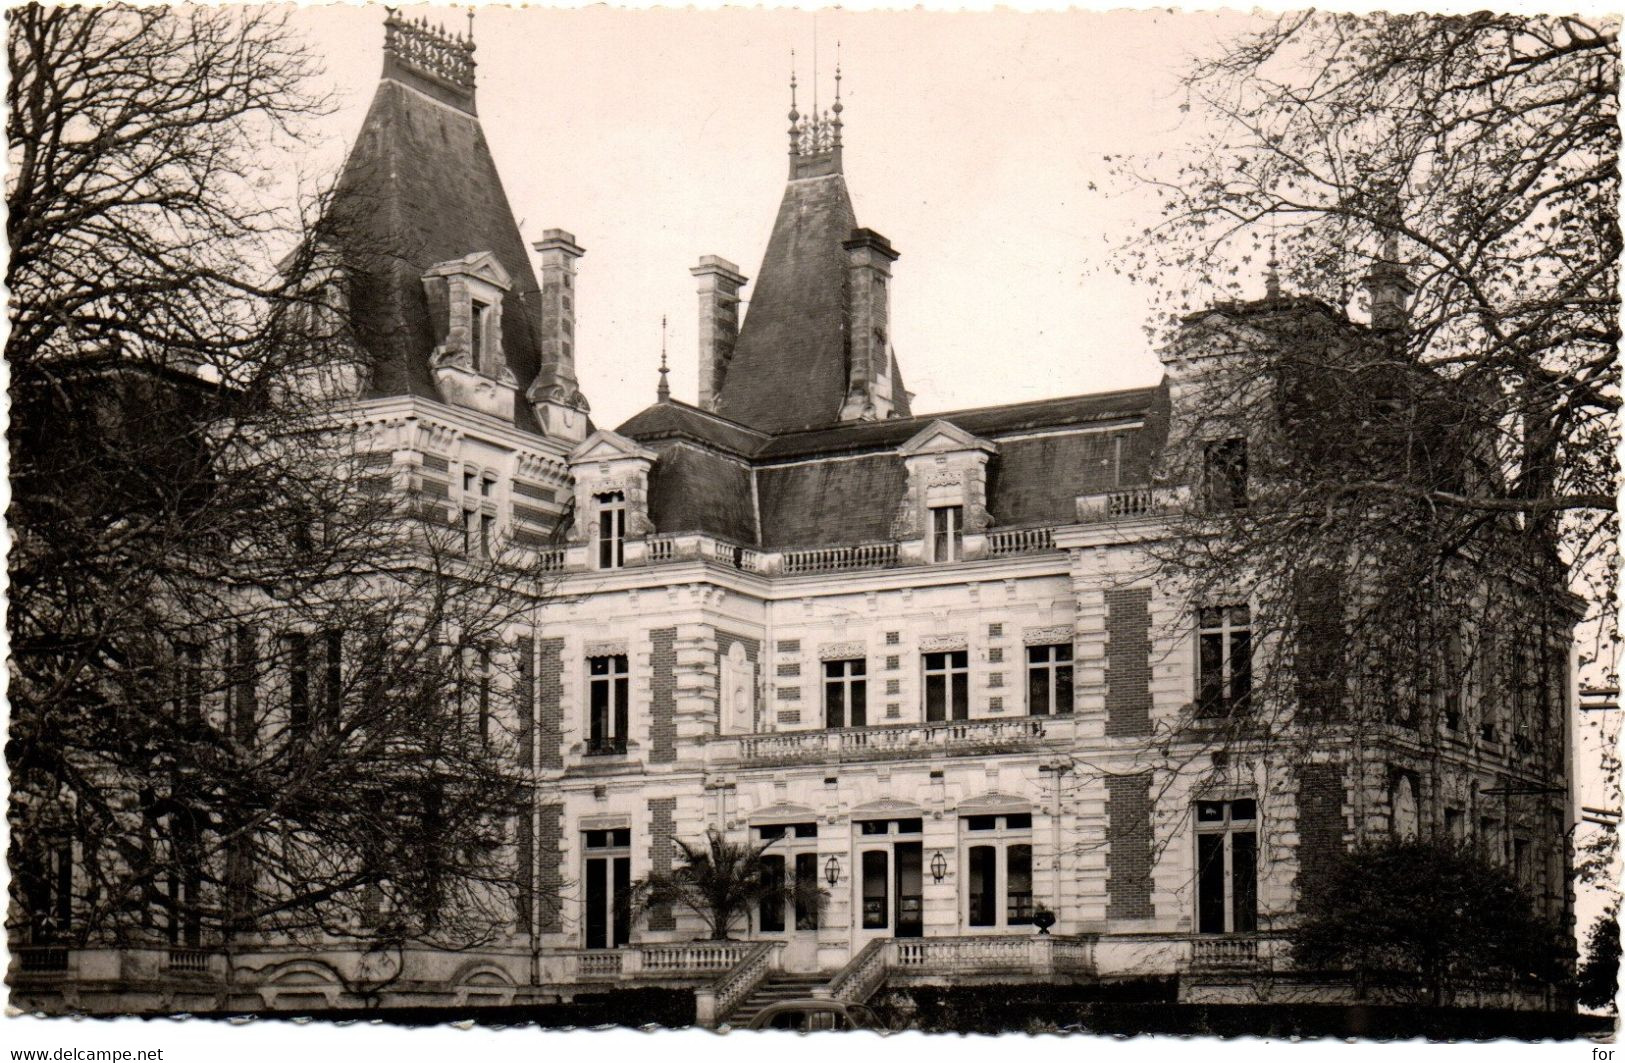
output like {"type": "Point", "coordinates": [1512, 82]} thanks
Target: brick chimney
{"type": "Point", "coordinates": [555, 396]}
{"type": "Point", "coordinates": [719, 284]}
{"type": "Point", "coordinates": [868, 284]}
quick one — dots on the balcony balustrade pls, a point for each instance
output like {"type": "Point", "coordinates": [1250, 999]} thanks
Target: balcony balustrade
{"type": "Point", "coordinates": [1006, 542]}
{"type": "Point", "coordinates": [966, 737]}
{"type": "Point", "coordinates": [1217, 953]}
{"type": "Point", "coordinates": [1131, 503]}
{"type": "Point", "coordinates": [839, 558]}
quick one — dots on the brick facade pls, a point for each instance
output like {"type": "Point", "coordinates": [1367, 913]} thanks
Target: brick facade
{"type": "Point", "coordinates": [662, 850]}
{"type": "Point", "coordinates": [1321, 793]}
{"type": "Point", "coordinates": [525, 700]}
{"type": "Point", "coordinates": [1128, 662]}
{"type": "Point", "coordinates": [1128, 861]}
{"type": "Point", "coordinates": [525, 857]}
{"type": "Point", "coordinates": [662, 696]}
{"type": "Point", "coordinates": [550, 702]}
{"type": "Point", "coordinates": [549, 872]}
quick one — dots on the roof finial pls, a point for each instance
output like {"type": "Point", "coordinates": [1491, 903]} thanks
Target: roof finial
{"type": "Point", "coordinates": [663, 391]}
{"type": "Point", "coordinates": [795, 115]}
{"type": "Point", "coordinates": [837, 108]}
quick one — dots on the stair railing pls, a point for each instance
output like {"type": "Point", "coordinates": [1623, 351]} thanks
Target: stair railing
{"type": "Point", "coordinates": [863, 974]}
{"type": "Point", "coordinates": [713, 1003]}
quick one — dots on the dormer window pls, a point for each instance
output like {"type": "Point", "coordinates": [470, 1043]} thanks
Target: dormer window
{"type": "Point", "coordinates": [465, 310]}
{"type": "Point", "coordinates": [611, 529]}
{"type": "Point", "coordinates": [947, 533]}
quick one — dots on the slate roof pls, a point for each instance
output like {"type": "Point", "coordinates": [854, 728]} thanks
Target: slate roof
{"type": "Point", "coordinates": [678, 420]}
{"type": "Point", "coordinates": [790, 364]}
{"type": "Point", "coordinates": [419, 188]}
{"type": "Point", "coordinates": [844, 484]}
{"type": "Point", "coordinates": [696, 490]}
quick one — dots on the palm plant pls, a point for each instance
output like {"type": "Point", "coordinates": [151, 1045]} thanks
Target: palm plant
{"type": "Point", "coordinates": [721, 881]}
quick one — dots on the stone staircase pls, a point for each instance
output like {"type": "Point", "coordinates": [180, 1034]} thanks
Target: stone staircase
{"type": "Point", "coordinates": [779, 986]}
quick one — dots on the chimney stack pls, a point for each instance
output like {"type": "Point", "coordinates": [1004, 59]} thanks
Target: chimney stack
{"type": "Point", "coordinates": [556, 395]}
{"type": "Point", "coordinates": [868, 272]}
{"type": "Point", "coordinates": [719, 284]}
{"type": "Point", "coordinates": [1388, 285]}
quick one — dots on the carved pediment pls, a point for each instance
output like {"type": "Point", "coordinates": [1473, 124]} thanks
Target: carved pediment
{"type": "Point", "coordinates": [942, 437]}
{"type": "Point", "coordinates": [605, 445]}
{"type": "Point", "coordinates": [481, 265]}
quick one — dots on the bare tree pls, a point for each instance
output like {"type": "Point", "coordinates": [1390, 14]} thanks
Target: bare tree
{"type": "Point", "coordinates": [1468, 164]}
{"type": "Point", "coordinates": [258, 685]}
{"type": "Point", "coordinates": [1387, 272]}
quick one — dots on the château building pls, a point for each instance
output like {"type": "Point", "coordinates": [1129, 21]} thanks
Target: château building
{"type": "Point", "coordinates": [926, 654]}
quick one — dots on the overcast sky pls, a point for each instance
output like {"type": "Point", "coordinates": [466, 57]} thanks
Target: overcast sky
{"type": "Point", "coordinates": [973, 141]}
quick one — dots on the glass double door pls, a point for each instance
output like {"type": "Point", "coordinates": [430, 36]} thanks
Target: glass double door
{"type": "Point", "coordinates": [892, 885]}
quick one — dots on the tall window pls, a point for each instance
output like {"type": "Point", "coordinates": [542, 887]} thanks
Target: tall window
{"type": "Point", "coordinates": [45, 880]}
{"type": "Point", "coordinates": [315, 677]}
{"type": "Point", "coordinates": [947, 686]}
{"type": "Point", "coordinates": [947, 532]}
{"type": "Point", "coordinates": [1224, 475]}
{"type": "Point", "coordinates": [608, 887]}
{"type": "Point", "coordinates": [607, 700]}
{"type": "Point", "coordinates": [846, 693]}
{"type": "Point", "coordinates": [1224, 660]}
{"type": "Point", "coordinates": [611, 529]}
{"type": "Point", "coordinates": [998, 861]}
{"type": "Point", "coordinates": [479, 523]}
{"type": "Point", "coordinates": [1227, 867]}
{"type": "Point", "coordinates": [1049, 679]}
{"type": "Point", "coordinates": [793, 858]}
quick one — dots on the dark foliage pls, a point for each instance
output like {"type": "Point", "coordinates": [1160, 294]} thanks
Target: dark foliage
{"type": "Point", "coordinates": [1598, 977]}
{"type": "Point", "coordinates": [1424, 912]}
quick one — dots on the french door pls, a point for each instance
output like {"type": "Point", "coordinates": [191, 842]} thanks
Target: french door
{"type": "Point", "coordinates": [608, 882]}
{"type": "Point", "coordinates": [891, 877]}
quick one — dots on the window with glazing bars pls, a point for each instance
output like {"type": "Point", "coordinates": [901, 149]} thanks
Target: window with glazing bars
{"type": "Point", "coordinates": [845, 693]}
{"type": "Point", "coordinates": [1049, 679]}
{"type": "Point", "coordinates": [607, 695]}
{"type": "Point", "coordinates": [947, 686]}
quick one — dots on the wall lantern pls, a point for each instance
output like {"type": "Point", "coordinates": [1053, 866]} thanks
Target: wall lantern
{"type": "Point", "coordinates": [939, 866]}
{"type": "Point", "coordinates": [832, 871]}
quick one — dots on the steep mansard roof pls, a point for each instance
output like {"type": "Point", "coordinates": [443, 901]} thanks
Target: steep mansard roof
{"type": "Point", "coordinates": [843, 484]}
{"type": "Point", "coordinates": [420, 188]}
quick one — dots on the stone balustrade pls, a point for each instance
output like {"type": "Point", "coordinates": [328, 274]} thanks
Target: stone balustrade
{"type": "Point", "coordinates": [1005, 542]}
{"type": "Point", "coordinates": [685, 960]}
{"type": "Point", "coordinates": [839, 558]}
{"type": "Point", "coordinates": [1132, 503]}
{"type": "Point", "coordinates": [712, 1003]}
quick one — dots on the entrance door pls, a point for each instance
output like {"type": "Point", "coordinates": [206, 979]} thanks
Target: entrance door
{"type": "Point", "coordinates": [890, 884]}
